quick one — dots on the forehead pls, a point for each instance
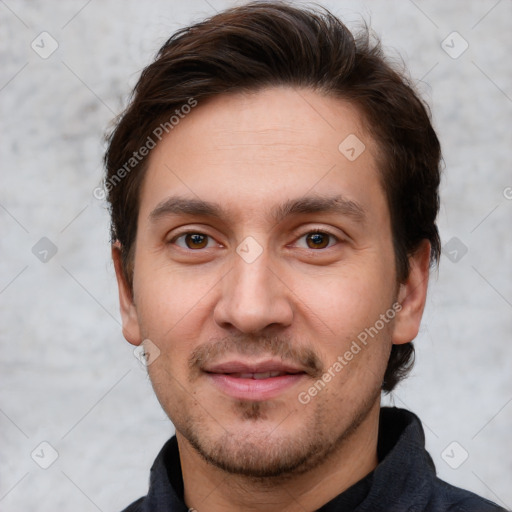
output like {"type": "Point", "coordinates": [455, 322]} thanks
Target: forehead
{"type": "Point", "coordinates": [255, 150]}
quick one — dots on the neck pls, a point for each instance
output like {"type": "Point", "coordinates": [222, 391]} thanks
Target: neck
{"type": "Point", "coordinates": [211, 489]}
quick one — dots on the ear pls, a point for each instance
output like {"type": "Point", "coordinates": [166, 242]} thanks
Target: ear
{"type": "Point", "coordinates": [412, 296]}
{"type": "Point", "coordinates": [131, 330]}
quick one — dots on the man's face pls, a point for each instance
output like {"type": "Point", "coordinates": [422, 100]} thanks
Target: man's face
{"type": "Point", "coordinates": [263, 251]}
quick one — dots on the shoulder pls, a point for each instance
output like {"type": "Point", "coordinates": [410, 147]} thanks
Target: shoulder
{"type": "Point", "coordinates": [446, 497]}
{"type": "Point", "coordinates": [136, 506]}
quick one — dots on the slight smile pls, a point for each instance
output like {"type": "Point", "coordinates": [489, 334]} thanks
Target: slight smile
{"type": "Point", "coordinates": [254, 381]}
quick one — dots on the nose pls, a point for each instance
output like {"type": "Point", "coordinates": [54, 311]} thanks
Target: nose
{"type": "Point", "coordinates": [254, 298]}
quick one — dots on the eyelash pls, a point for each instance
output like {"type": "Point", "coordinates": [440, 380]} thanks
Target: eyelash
{"type": "Point", "coordinates": [332, 237]}
{"type": "Point", "coordinates": [184, 234]}
{"type": "Point", "coordinates": [310, 232]}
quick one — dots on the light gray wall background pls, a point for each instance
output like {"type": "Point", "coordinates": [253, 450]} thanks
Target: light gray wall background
{"type": "Point", "coordinates": [69, 379]}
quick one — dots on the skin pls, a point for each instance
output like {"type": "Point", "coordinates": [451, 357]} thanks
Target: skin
{"type": "Point", "coordinates": [304, 299]}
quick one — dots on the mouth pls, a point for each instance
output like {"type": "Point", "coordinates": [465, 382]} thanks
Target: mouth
{"type": "Point", "coordinates": [257, 381]}
{"type": "Point", "coordinates": [258, 375]}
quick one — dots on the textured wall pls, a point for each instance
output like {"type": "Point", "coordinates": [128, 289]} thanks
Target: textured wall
{"type": "Point", "coordinates": [67, 376]}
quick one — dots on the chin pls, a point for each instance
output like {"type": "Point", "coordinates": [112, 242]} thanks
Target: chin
{"type": "Point", "coordinates": [259, 452]}
{"type": "Point", "coordinates": [263, 442]}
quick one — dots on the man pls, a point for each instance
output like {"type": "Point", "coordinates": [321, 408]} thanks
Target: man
{"type": "Point", "coordinates": [274, 189]}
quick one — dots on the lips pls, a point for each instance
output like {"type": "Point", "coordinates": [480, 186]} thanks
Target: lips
{"type": "Point", "coordinates": [252, 368]}
{"type": "Point", "coordinates": [260, 375]}
{"type": "Point", "coordinates": [257, 381]}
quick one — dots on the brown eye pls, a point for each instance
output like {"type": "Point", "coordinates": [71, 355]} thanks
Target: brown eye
{"type": "Point", "coordinates": [193, 241]}
{"type": "Point", "coordinates": [317, 240]}
{"type": "Point", "coordinates": [196, 240]}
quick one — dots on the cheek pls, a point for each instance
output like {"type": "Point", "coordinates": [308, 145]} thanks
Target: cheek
{"type": "Point", "coordinates": [173, 306]}
{"type": "Point", "coordinates": [346, 300]}
{"type": "Point", "coordinates": [166, 294]}
{"type": "Point", "coordinates": [345, 305]}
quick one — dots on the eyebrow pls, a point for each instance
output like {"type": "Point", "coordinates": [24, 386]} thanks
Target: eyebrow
{"type": "Point", "coordinates": [178, 205]}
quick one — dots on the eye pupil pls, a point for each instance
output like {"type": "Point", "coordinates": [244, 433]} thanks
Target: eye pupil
{"type": "Point", "coordinates": [317, 240]}
{"type": "Point", "coordinates": [196, 241]}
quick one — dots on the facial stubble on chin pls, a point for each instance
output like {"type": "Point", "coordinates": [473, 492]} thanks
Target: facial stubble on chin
{"type": "Point", "coordinates": [262, 461]}
{"type": "Point", "coordinates": [259, 457]}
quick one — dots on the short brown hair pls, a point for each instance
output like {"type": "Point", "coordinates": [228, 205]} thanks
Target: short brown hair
{"type": "Point", "coordinates": [265, 44]}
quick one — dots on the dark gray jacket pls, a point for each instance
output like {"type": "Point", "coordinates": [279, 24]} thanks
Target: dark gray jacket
{"type": "Point", "coordinates": [404, 481]}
